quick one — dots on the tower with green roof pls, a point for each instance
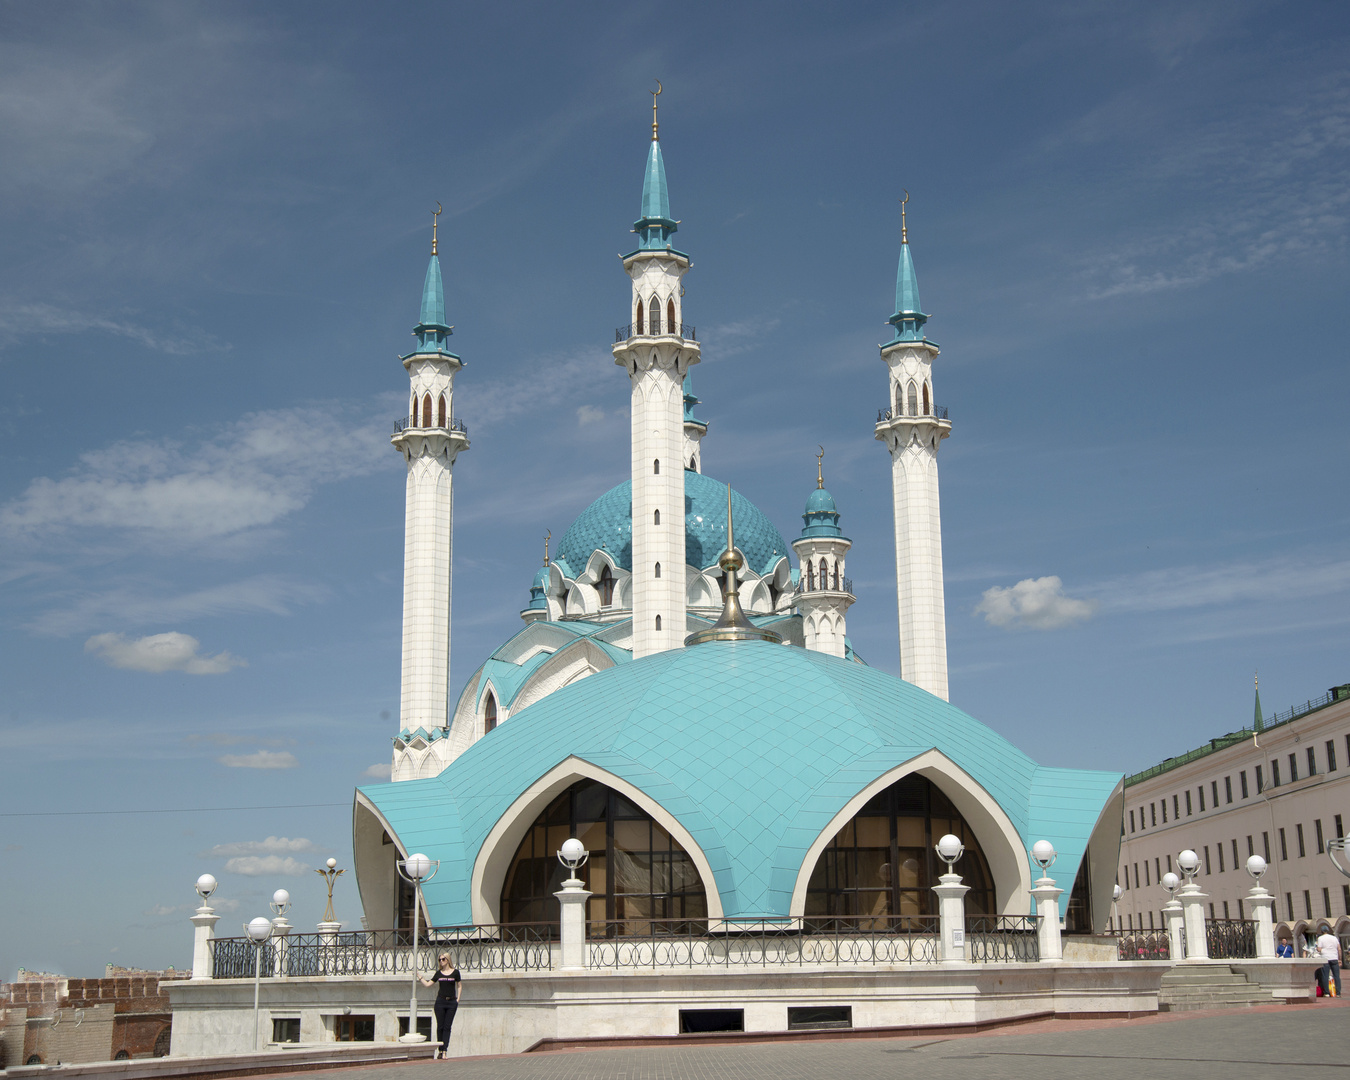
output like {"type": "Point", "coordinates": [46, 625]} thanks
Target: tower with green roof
{"type": "Point", "coordinates": [824, 593]}
{"type": "Point", "coordinates": [657, 350]}
{"type": "Point", "coordinates": [430, 439]}
{"type": "Point", "coordinates": [912, 428]}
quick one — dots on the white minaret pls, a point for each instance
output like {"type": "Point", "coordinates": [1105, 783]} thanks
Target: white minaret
{"type": "Point", "coordinates": [912, 428]}
{"type": "Point", "coordinates": [824, 594]}
{"type": "Point", "coordinates": [429, 439]}
{"type": "Point", "coordinates": [656, 354]}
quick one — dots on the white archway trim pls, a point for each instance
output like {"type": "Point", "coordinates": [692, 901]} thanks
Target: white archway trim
{"type": "Point", "coordinates": [1003, 846]}
{"type": "Point", "coordinates": [581, 658]}
{"type": "Point", "coordinates": [500, 845]}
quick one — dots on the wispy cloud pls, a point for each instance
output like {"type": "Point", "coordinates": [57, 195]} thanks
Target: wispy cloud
{"type": "Point", "coordinates": [159, 653]}
{"type": "Point", "coordinates": [273, 845]}
{"type": "Point", "coordinates": [1284, 578]}
{"type": "Point", "coordinates": [260, 759]}
{"type": "Point", "coordinates": [1033, 604]}
{"type": "Point", "coordinates": [263, 865]}
{"type": "Point", "coordinates": [23, 319]}
{"type": "Point", "coordinates": [380, 771]}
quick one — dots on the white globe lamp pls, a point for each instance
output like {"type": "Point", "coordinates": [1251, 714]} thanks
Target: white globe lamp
{"type": "Point", "coordinates": [206, 885]}
{"type": "Point", "coordinates": [1256, 866]}
{"type": "Point", "coordinates": [949, 849]}
{"type": "Point", "coordinates": [1189, 862]}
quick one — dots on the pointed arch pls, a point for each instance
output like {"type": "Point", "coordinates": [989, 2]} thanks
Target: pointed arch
{"type": "Point", "coordinates": [824, 573]}
{"type": "Point", "coordinates": [670, 315]}
{"type": "Point", "coordinates": [489, 712]}
{"type": "Point", "coordinates": [693, 464]}
{"type": "Point", "coordinates": [810, 575]}
{"type": "Point", "coordinates": [658, 622]}
{"type": "Point", "coordinates": [656, 517]}
{"type": "Point", "coordinates": [654, 315]}
{"type": "Point", "coordinates": [440, 412]}
{"type": "Point", "coordinates": [426, 411]}
{"type": "Point", "coordinates": [927, 404]}
{"type": "Point", "coordinates": [656, 466]}
{"type": "Point", "coordinates": [640, 313]}
{"type": "Point", "coordinates": [605, 587]}
{"type": "Point", "coordinates": [913, 399]}
{"type": "Point", "coordinates": [658, 570]}
{"type": "Point", "coordinates": [899, 401]}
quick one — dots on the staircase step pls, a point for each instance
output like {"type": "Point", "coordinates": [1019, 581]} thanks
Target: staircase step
{"type": "Point", "coordinates": [1208, 987]}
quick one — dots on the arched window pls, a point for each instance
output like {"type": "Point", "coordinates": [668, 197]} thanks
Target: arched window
{"type": "Point", "coordinates": [658, 622]}
{"type": "Point", "coordinates": [639, 316]}
{"type": "Point", "coordinates": [426, 411]}
{"type": "Point", "coordinates": [489, 713]}
{"type": "Point", "coordinates": [899, 401]}
{"type": "Point", "coordinates": [656, 517]}
{"type": "Point", "coordinates": [880, 867]}
{"type": "Point", "coordinates": [658, 570]}
{"type": "Point", "coordinates": [440, 412]}
{"type": "Point", "coordinates": [913, 399]}
{"type": "Point", "coordinates": [836, 573]}
{"type": "Point", "coordinates": [605, 586]}
{"type": "Point", "coordinates": [824, 574]}
{"type": "Point", "coordinates": [810, 575]}
{"type": "Point", "coordinates": [656, 467]}
{"type": "Point", "coordinates": [670, 315]}
{"type": "Point", "coordinates": [654, 315]}
{"type": "Point", "coordinates": [637, 871]}
{"type": "Point", "coordinates": [693, 464]}
{"type": "Point", "coordinates": [926, 408]}
{"type": "Point", "coordinates": [412, 412]}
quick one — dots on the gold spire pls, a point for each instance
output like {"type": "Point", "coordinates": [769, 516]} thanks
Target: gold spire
{"type": "Point", "coordinates": [434, 215]}
{"type": "Point", "coordinates": [1256, 678]}
{"type": "Point", "coordinates": [820, 472]}
{"type": "Point", "coordinates": [904, 231]}
{"type": "Point", "coordinates": [655, 94]}
{"type": "Point", "coordinates": [731, 625]}
{"type": "Point", "coordinates": [547, 537]}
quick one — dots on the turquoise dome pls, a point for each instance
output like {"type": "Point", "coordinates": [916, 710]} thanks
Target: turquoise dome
{"type": "Point", "coordinates": [821, 502]}
{"type": "Point", "coordinates": [753, 747]}
{"type": "Point", "coordinates": [608, 523]}
{"type": "Point", "coordinates": [821, 518]}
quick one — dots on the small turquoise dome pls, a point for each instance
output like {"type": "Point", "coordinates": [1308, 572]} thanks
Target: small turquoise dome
{"type": "Point", "coordinates": [539, 590]}
{"type": "Point", "coordinates": [820, 501]}
{"type": "Point", "coordinates": [821, 517]}
{"type": "Point", "coordinates": [608, 524]}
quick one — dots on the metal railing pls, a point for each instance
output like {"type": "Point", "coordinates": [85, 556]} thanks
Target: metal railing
{"type": "Point", "coordinates": [1141, 944]}
{"type": "Point", "coordinates": [809, 585]}
{"type": "Point", "coordinates": [625, 333]}
{"type": "Point", "coordinates": [1230, 939]}
{"type": "Point", "coordinates": [796, 942]}
{"type": "Point", "coordinates": [515, 947]}
{"type": "Point", "coordinates": [406, 422]}
{"type": "Point", "coordinates": [1003, 939]}
{"type": "Point", "coordinates": [937, 412]}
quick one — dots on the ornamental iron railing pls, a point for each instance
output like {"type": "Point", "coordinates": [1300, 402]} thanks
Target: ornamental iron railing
{"type": "Point", "coordinates": [625, 333]}
{"type": "Point", "coordinates": [233, 958]}
{"type": "Point", "coordinates": [937, 412]}
{"type": "Point", "coordinates": [1141, 944]}
{"type": "Point", "coordinates": [406, 422]}
{"type": "Point", "coordinates": [807, 584]}
{"type": "Point", "coordinates": [731, 943]}
{"type": "Point", "coordinates": [1231, 939]}
{"type": "Point", "coordinates": [1003, 939]}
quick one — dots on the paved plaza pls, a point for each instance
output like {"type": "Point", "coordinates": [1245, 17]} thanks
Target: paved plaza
{"type": "Point", "coordinates": [1297, 1041]}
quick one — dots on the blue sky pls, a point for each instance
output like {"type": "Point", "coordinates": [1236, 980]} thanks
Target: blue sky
{"type": "Point", "coordinates": [1130, 228]}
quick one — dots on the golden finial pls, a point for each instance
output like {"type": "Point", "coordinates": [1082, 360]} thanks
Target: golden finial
{"type": "Point", "coordinates": [820, 472]}
{"type": "Point", "coordinates": [904, 231]}
{"type": "Point", "coordinates": [547, 537]}
{"type": "Point", "coordinates": [655, 94]}
{"type": "Point", "coordinates": [434, 215]}
{"type": "Point", "coordinates": [1256, 678]}
{"type": "Point", "coordinates": [732, 625]}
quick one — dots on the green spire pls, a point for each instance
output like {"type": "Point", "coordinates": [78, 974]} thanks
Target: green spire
{"type": "Point", "coordinates": [690, 401]}
{"type": "Point", "coordinates": [909, 318]}
{"type": "Point", "coordinates": [655, 226]}
{"type": "Point", "coordinates": [432, 330]}
{"type": "Point", "coordinates": [1258, 724]}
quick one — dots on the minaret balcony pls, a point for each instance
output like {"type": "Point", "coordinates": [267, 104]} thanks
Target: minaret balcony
{"type": "Point", "coordinates": [625, 333]}
{"type": "Point", "coordinates": [837, 586]}
{"type": "Point", "coordinates": [938, 412]}
{"type": "Point", "coordinates": [408, 423]}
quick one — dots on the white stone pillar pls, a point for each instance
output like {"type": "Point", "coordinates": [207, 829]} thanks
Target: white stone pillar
{"type": "Point", "coordinates": [951, 917]}
{"type": "Point", "coordinates": [572, 898]}
{"type": "Point", "coordinates": [1262, 904]}
{"type": "Point", "coordinates": [1174, 922]}
{"type": "Point", "coordinates": [1046, 894]}
{"type": "Point", "coordinates": [1193, 914]}
{"type": "Point", "coordinates": [203, 930]}
{"type": "Point", "coordinates": [328, 932]}
{"type": "Point", "coordinates": [281, 930]}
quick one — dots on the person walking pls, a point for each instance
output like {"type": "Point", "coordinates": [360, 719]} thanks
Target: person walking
{"type": "Point", "coordinates": [447, 1000]}
{"type": "Point", "coordinates": [1329, 947]}
{"type": "Point", "coordinates": [1284, 949]}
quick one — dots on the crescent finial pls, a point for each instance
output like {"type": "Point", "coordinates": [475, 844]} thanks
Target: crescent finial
{"type": "Point", "coordinates": [904, 230]}
{"type": "Point", "coordinates": [655, 94]}
{"type": "Point", "coordinates": [435, 214]}
{"type": "Point", "coordinates": [820, 472]}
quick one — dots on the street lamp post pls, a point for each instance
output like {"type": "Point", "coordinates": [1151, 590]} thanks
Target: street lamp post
{"type": "Point", "coordinates": [1193, 909]}
{"type": "Point", "coordinates": [281, 903]}
{"type": "Point", "coordinates": [258, 931]}
{"type": "Point", "coordinates": [951, 901]}
{"type": "Point", "coordinates": [1172, 917]}
{"type": "Point", "coordinates": [572, 899]}
{"type": "Point", "coordinates": [203, 930]}
{"type": "Point", "coordinates": [1047, 894]}
{"type": "Point", "coordinates": [1263, 907]}
{"type": "Point", "coordinates": [416, 869]}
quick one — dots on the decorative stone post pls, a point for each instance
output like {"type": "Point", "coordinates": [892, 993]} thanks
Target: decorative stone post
{"type": "Point", "coordinates": [572, 897]}
{"type": "Point", "coordinates": [1263, 909]}
{"type": "Point", "coordinates": [1172, 918]}
{"type": "Point", "coordinates": [951, 903]}
{"type": "Point", "coordinates": [203, 930]}
{"type": "Point", "coordinates": [281, 903]}
{"type": "Point", "coordinates": [1046, 894]}
{"type": "Point", "coordinates": [1193, 908]}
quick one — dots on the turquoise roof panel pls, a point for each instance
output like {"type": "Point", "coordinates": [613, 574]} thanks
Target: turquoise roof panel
{"type": "Point", "coordinates": [433, 295]}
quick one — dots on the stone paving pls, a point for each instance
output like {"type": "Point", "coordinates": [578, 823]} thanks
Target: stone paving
{"type": "Point", "coordinates": [1298, 1041]}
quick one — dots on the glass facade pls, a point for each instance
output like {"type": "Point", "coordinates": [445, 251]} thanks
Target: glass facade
{"type": "Point", "coordinates": [882, 865]}
{"type": "Point", "coordinates": [636, 871]}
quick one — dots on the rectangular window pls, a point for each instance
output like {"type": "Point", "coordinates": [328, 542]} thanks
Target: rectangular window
{"type": "Point", "coordinates": [1164, 809]}
{"type": "Point", "coordinates": [1131, 821]}
{"type": "Point", "coordinates": [700, 1020]}
{"type": "Point", "coordinates": [1169, 864]}
{"type": "Point", "coordinates": [1141, 817]}
{"type": "Point", "coordinates": [1241, 914]}
{"type": "Point", "coordinates": [1317, 828]}
{"type": "Point", "coordinates": [1153, 813]}
{"type": "Point", "coordinates": [1260, 784]}
{"type": "Point", "coordinates": [423, 1026]}
{"type": "Point", "coordinates": [1242, 782]}
{"type": "Point", "coordinates": [1251, 850]}
{"type": "Point", "coordinates": [354, 1028]}
{"type": "Point", "coordinates": [1237, 859]}
{"type": "Point", "coordinates": [1201, 792]}
{"type": "Point", "coordinates": [1307, 904]}
{"type": "Point", "coordinates": [1221, 860]}
{"type": "Point", "coordinates": [1176, 808]}
{"type": "Point", "coordinates": [1312, 761]}
{"type": "Point", "coordinates": [1146, 880]}
{"type": "Point", "coordinates": [1227, 790]}
{"type": "Point", "coordinates": [1274, 773]}
{"type": "Point", "coordinates": [1225, 909]}
{"type": "Point", "coordinates": [1289, 903]}
{"type": "Point", "coordinates": [1331, 755]}
{"type": "Point", "coordinates": [1284, 848]}
{"type": "Point", "coordinates": [1293, 767]}
{"type": "Point", "coordinates": [1214, 791]}
{"type": "Point", "coordinates": [286, 1029]}
{"type": "Point", "coordinates": [1265, 847]}
{"type": "Point", "coordinates": [817, 1017]}
{"type": "Point", "coordinates": [1150, 920]}
{"type": "Point", "coordinates": [1207, 860]}
{"type": "Point", "coordinates": [1211, 909]}
{"type": "Point", "coordinates": [1136, 875]}
{"type": "Point", "coordinates": [1157, 870]}
{"type": "Point", "coordinates": [1326, 902]}
{"type": "Point", "coordinates": [1298, 831]}
{"type": "Point", "coordinates": [1339, 831]}
{"type": "Point", "coordinates": [1345, 897]}
{"type": "Point", "coordinates": [1188, 802]}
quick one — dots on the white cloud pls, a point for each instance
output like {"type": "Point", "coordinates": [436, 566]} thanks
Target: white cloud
{"type": "Point", "coordinates": [260, 759]}
{"type": "Point", "coordinates": [260, 865]}
{"type": "Point", "coordinates": [40, 318]}
{"type": "Point", "coordinates": [1034, 604]}
{"type": "Point", "coordinates": [159, 653]}
{"type": "Point", "coordinates": [589, 414]}
{"type": "Point", "coordinates": [1288, 577]}
{"type": "Point", "coordinates": [379, 772]}
{"type": "Point", "coordinates": [273, 845]}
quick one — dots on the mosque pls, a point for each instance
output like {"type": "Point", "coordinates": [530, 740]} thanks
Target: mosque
{"type": "Point", "coordinates": [683, 696]}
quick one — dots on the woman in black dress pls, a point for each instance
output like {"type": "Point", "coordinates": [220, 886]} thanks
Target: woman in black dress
{"type": "Point", "coordinates": [447, 999]}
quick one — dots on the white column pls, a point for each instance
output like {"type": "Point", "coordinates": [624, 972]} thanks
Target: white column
{"type": "Point", "coordinates": [572, 898]}
{"type": "Point", "coordinates": [951, 917]}
{"type": "Point", "coordinates": [1262, 904]}
{"type": "Point", "coordinates": [1046, 894]}
{"type": "Point", "coordinates": [281, 930]}
{"type": "Point", "coordinates": [1174, 921]}
{"type": "Point", "coordinates": [203, 930]}
{"type": "Point", "coordinates": [1193, 914]}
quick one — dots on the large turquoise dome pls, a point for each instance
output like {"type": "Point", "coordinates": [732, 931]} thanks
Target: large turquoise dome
{"type": "Point", "coordinates": [608, 523]}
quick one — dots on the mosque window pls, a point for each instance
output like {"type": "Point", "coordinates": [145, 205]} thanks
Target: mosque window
{"type": "Point", "coordinates": [693, 464]}
{"type": "Point", "coordinates": [670, 315]}
{"type": "Point", "coordinates": [899, 401]}
{"type": "Point", "coordinates": [926, 409]}
{"type": "Point", "coordinates": [605, 587]}
{"type": "Point", "coordinates": [658, 622]}
{"type": "Point", "coordinates": [658, 570]}
{"type": "Point", "coordinates": [440, 412]}
{"type": "Point", "coordinates": [637, 871]}
{"type": "Point", "coordinates": [810, 576]}
{"type": "Point", "coordinates": [824, 574]}
{"type": "Point", "coordinates": [656, 517]}
{"type": "Point", "coordinates": [489, 713]}
{"type": "Point", "coordinates": [426, 411]}
{"type": "Point", "coordinates": [836, 574]}
{"type": "Point", "coordinates": [639, 317]}
{"type": "Point", "coordinates": [412, 411]}
{"type": "Point", "coordinates": [913, 399]}
{"type": "Point", "coordinates": [880, 867]}
{"type": "Point", "coordinates": [654, 315]}
{"type": "Point", "coordinates": [656, 467]}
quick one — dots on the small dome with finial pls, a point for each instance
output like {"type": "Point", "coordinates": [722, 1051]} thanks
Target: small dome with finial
{"type": "Point", "coordinates": [821, 517]}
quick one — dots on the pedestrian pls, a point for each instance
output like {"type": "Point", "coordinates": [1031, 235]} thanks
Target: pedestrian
{"type": "Point", "coordinates": [1284, 949]}
{"type": "Point", "coordinates": [447, 1000]}
{"type": "Point", "coordinates": [1329, 947]}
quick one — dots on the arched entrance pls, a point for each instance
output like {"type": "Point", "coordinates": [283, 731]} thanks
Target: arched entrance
{"type": "Point", "coordinates": [637, 871]}
{"type": "Point", "coordinates": [881, 864]}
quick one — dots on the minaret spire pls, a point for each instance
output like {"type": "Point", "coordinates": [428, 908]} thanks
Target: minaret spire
{"type": "Point", "coordinates": [1258, 723]}
{"type": "Point", "coordinates": [731, 625]}
{"type": "Point", "coordinates": [824, 593]}
{"type": "Point", "coordinates": [655, 94]}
